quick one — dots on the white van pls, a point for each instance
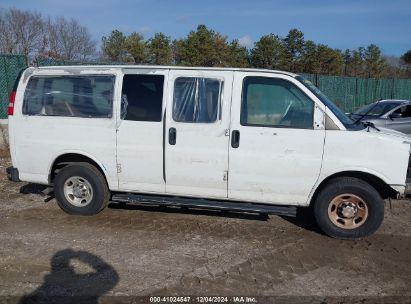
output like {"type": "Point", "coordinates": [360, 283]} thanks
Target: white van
{"type": "Point", "coordinates": [221, 138]}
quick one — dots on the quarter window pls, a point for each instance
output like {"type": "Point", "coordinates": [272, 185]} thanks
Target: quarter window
{"type": "Point", "coordinates": [76, 96]}
{"type": "Point", "coordinates": [142, 97]}
{"type": "Point", "coordinates": [275, 102]}
{"type": "Point", "coordinates": [196, 100]}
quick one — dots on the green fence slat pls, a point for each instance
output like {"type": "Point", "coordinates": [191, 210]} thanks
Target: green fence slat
{"type": "Point", "coordinates": [341, 90]}
{"type": "Point", "coordinates": [351, 93]}
{"type": "Point", "coordinates": [3, 88]}
{"type": "Point", "coordinates": [402, 89]}
{"type": "Point", "coordinates": [310, 77]}
{"type": "Point", "coordinates": [10, 66]}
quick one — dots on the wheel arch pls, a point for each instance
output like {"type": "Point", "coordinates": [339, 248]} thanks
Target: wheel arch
{"type": "Point", "coordinates": [379, 185]}
{"type": "Point", "coordinates": [70, 158]}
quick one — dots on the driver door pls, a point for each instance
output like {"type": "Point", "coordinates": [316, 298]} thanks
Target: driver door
{"type": "Point", "coordinates": [277, 140]}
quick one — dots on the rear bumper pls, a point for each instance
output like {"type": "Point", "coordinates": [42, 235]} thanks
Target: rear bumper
{"type": "Point", "coordinates": [13, 174]}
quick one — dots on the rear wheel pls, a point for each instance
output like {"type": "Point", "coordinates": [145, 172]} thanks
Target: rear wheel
{"type": "Point", "coordinates": [81, 189]}
{"type": "Point", "coordinates": [349, 208]}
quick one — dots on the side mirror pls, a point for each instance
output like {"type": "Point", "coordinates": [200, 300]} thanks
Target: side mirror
{"type": "Point", "coordinates": [395, 115]}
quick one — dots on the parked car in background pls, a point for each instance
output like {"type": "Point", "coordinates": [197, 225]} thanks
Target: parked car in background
{"type": "Point", "coordinates": [389, 113]}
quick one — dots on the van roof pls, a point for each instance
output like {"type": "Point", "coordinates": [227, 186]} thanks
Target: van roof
{"type": "Point", "coordinates": [63, 67]}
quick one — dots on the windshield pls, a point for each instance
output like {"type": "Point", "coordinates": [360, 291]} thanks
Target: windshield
{"type": "Point", "coordinates": [376, 109]}
{"type": "Point", "coordinates": [345, 120]}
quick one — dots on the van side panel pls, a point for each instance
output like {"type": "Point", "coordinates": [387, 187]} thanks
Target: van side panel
{"type": "Point", "coordinates": [36, 140]}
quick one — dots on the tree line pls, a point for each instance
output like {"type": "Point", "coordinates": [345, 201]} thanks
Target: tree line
{"type": "Point", "coordinates": [206, 47]}
{"type": "Point", "coordinates": [31, 34]}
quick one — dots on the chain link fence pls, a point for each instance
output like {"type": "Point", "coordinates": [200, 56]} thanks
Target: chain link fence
{"type": "Point", "coordinates": [57, 62]}
{"type": "Point", "coordinates": [10, 66]}
{"type": "Point", "coordinates": [349, 93]}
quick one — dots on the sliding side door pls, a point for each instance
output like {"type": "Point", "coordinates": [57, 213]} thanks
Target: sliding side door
{"type": "Point", "coordinates": [198, 107]}
{"type": "Point", "coordinates": [140, 132]}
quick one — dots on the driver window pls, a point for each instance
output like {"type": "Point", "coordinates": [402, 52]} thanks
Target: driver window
{"type": "Point", "coordinates": [405, 111]}
{"type": "Point", "coordinates": [275, 102]}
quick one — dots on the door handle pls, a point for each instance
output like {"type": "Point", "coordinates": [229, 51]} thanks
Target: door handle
{"type": "Point", "coordinates": [235, 139]}
{"type": "Point", "coordinates": [172, 136]}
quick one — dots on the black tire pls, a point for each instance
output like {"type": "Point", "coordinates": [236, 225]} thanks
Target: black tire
{"type": "Point", "coordinates": [96, 180]}
{"type": "Point", "coordinates": [336, 189]}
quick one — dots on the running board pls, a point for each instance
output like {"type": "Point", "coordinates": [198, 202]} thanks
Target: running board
{"type": "Point", "coordinates": [154, 200]}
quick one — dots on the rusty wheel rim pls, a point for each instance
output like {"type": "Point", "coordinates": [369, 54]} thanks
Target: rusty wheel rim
{"type": "Point", "coordinates": [348, 211]}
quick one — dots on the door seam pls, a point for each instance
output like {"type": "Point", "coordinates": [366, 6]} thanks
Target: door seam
{"type": "Point", "coordinates": [229, 129]}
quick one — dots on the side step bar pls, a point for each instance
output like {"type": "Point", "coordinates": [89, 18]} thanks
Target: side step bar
{"type": "Point", "coordinates": [154, 200]}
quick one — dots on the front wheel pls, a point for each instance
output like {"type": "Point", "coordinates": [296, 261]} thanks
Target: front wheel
{"type": "Point", "coordinates": [81, 189]}
{"type": "Point", "coordinates": [348, 208]}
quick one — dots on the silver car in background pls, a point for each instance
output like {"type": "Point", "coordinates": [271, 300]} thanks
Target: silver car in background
{"type": "Point", "coordinates": [389, 113]}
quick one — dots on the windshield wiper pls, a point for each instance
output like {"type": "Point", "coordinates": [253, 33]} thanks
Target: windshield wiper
{"type": "Point", "coordinates": [366, 113]}
{"type": "Point", "coordinates": [369, 124]}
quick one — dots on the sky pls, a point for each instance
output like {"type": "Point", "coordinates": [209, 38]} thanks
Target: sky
{"type": "Point", "coordinates": [338, 23]}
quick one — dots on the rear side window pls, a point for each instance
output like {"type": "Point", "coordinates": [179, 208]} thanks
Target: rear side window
{"type": "Point", "coordinates": [196, 100]}
{"type": "Point", "coordinates": [142, 97]}
{"type": "Point", "coordinates": [75, 96]}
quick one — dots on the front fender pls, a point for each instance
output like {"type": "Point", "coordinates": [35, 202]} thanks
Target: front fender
{"type": "Point", "coordinates": [352, 171]}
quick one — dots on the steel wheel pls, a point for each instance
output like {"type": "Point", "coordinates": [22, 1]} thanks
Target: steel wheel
{"type": "Point", "coordinates": [348, 211]}
{"type": "Point", "coordinates": [78, 191]}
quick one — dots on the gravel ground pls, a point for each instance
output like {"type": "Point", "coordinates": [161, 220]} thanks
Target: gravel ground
{"type": "Point", "coordinates": [138, 251]}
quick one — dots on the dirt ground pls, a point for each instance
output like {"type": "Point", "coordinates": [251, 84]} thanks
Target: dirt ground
{"type": "Point", "coordinates": [138, 251]}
